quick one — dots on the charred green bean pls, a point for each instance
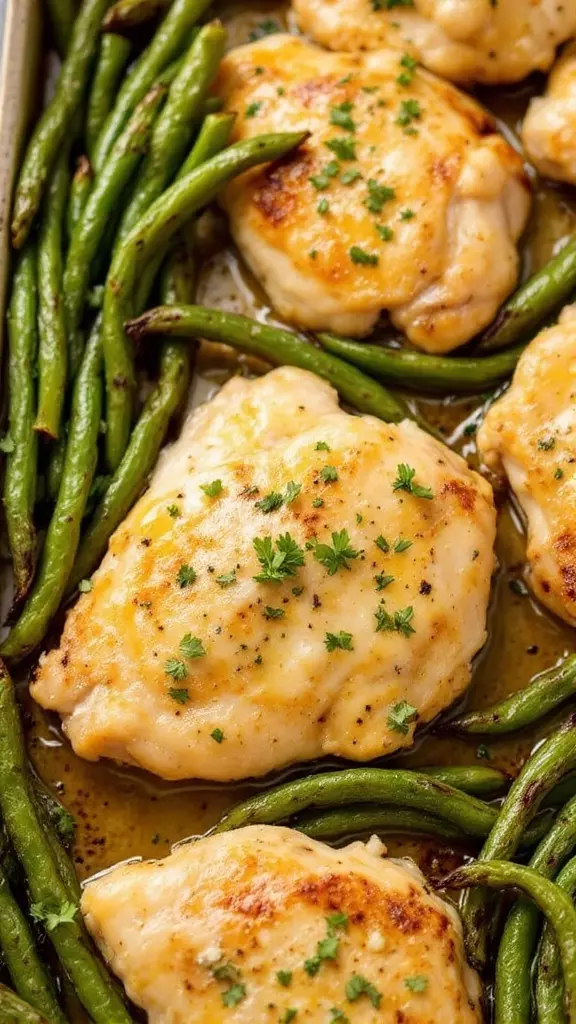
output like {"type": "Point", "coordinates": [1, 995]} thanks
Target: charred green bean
{"type": "Point", "coordinates": [126, 14]}
{"type": "Point", "coordinates": [213, 136]}
{"type": "Point", "coordinates": [339, 822]}
{"type": "Point", "coordinates": [478, 780]}
{"type": "Point", "coordinates": [52, 351]}
{"type": "Point", "coordinates": [61, 14]}
{"type": "Point", "coordinates": [13, 1009]}
{"type": "Point", "coordinates": [79, 191]}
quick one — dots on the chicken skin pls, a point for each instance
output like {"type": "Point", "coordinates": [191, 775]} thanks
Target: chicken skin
{"type": "Point", "coordinates": [530, 436]}
{"type": "Point", "coordinates": [462, 40]}
{"type": "Point", "coordinates": [244, 927]}
{"type": "Point", "coordinates": [549, 130]}
{"type": "Point", "coordinates": [404, 198]}
{"type": "Point", "coordinates": [297, 581]}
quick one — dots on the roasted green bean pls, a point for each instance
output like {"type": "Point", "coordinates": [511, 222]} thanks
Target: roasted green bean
{"type": "Point", "coordinates": [152, 235]}
{"type": "Point", "coordinates": [543, 769]}
{"type": "Point", "coordinates": [112, 60]}
{"type": "Point", "coordinates": [549, 987]}
{"type": "Point", "coordinates": [478, 780]}
{"type": "Point", "coordinates": [80, 188]}
{"type": "Point", "coordinates": [213, 136]}
{"type": "Point", "coordinates": [17, 948]}
{"type": "Point", "coordinates": [167, 43]}
{"type": "Point", "coordinates": [108, 186]}
{"type": "Point", "coordinates": [52, 350]}
{"type": "Point", "coordinates": [549, 897]}
{"type": "Point", "coordinates": [61, 14]}
{"type": "Point", "coordinates": [22, 441]}
{"type": "Point", "coordinates": [175, 126]}
{"type": "Point", "coordinates": [63, 532]}
{"type": "Point", "coordinates": [440, 374]}
{"type": "Point", "coordinates": [545, 693]}
{"type": "Point", "coordinates": [361, 818]}
{"type": "Point", "coordinates": [47, 889]}
{"type": "Point", "coordinates": [513, 989]}
{"type": "Point", "coordinates": [14, 1010]}
{"type": "Point", "coordinates": [126, 14]}
{"type": "Point", "coordinates": [50, 133]}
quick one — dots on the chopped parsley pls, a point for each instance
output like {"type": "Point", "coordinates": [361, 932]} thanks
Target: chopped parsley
{"type": "Point", "coordinates": [328, 474]}
{"type": "Point", "coordinates": [51, 917]}
{"type": "Point", "coordinates": [273, 613]}
{"type": "Point", "coordinates": [180, 695]}
{"type": "Point", "coordinates": [546, 444]}
{"type": "Point", "coordinates": [284, 978]}
{"type": "Point", "coordinates": [338, 1016]}
{"type": "Point", "coordinates": [344, 148]}
{"type": "Point", "coordinates": [399, 622]}
{"type": "Point", "coordinates": [318, 503]}
{"type": "Point", "coordinates": [176, 669]}
{"type": "Point", "coordinates": [483, 753]}
{"type": "Point", "coordinates": [417, 983]}
{"type": "Point", "coordinates": [85, 586]}
{"type": "Point", "coordinates": [7, 445]}
{"type": "Point", "coordinates": [252, 109]}
{"type": "Point", "coordinates": [174, 511]}
{"type": "Point", "coordinates": [226, 971]}
{"type": "Point", "coordinates": [378, 195]}
{"type": "Point", "coordinates": [234, 995]}
{"type": "Point", "coordinates": [405, 482]}
{"type": "Point", "coordinates": [408, 65]}
{"type": "Point", "coordinates": [289, 1015]}
{"type": "Point", "coordinates": [323, 207]}
{"type": "Point", "coordinates": [322, 446]}
{"type": "Point", "coordinates": [227, 579]}
{"type": "Point", "coordinates": [322, 181]}
{"type": "Point", "coordinates": [410, 110]}
{"type": "Point", "coordinates": [270, 502]}
{"type": "Point", "coordinates": [386, 233]}
{"type": "Point", "coordinates": [382, 581]}
{"type": "Point", "coordinates": [402, 544]}
{"type": "Point", "coordinates": [337, 556]}
{"type": "Point", "coordinates": [264, 28]}
{"type": "Point", "coordinates": [349, 177]}
{"type": "Point", "coordinates": [292, 492]}
{"type": "Point", "coordinates": [185, 576]}
{"type": "Point", "coordinates": [363, 258]}
{"type": "Point", "coordinates": [192, 646]}
{"type": "Point", "coordinates": [400, 716]}
{"type": "Point", "coordinates": [383, 544]}
{"type": "Point", "coordinates": [340, 116]}
{"type": "Point", "coordinates": [217, 735]}
{"type": "Point", "coordinates": [558, 473]}
{"type": "Point", "coordinates": [277, 565]}
{"type": "Point", "coordinates": [358, 986]}
{"type": "Point", "coordinates": [213, 489]}
{"type": "Point", "coordinates": [327, 949]}
{"type": "Point", "coordinates": [407, 214]}
{"type": "Point", "coordinates": [338, 641]}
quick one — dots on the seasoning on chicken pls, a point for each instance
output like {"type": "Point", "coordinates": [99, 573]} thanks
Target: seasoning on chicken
{"type": "Point", "coordinates": [297, 581]}
{"type": "Point", "coordinates": [549, 130]}
{"type": "Point", "coordinates": [487, 41]}
{"type": "Point", "coordinates": [530, 436]}
{"type": "Point", "coordinates": [247, 926]}
{"type": "Point", "coordinates": [405, 198]}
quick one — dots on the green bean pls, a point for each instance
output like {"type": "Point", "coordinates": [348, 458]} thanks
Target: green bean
{"type": "Point", "coordinates": [213, 136]}
{"type": "Point", "coordinates": [165, 46]}
{"type": "Point", "coordinates": [513, 990]}
{"type": "Point", "coordinates": [80, 188]}
{"type": "Point", "coordinates": [21, 462]}
{"type": "Point", "coordinates": [545, 693]}
{"type": "Point", "coordinates": [52, 128]}
{"type": "Point", "coordinates": [550, 898]}
{"type": "Point", "coordinates": [174, 128]}
{"type": "Point", "coordinates": [63, 532]}
{"type": "Point", "coordinates": [56, 466]}
{"type": "Point", "coordinates": [52, 351]}
{"type": "Point", "coordinates": [59, 817]}
{"type": "Point", "coordinates": [362, 818]}
{"type": "Point", "coordinates": [112, 60]}
{"type": "Point", "coordinates": [534, 303]}
{"type": "Point", "coordinates": [29, 976]}
{"type": "Point", "coordinates": [47, 889]}
{"type": "Point", "coordinates": [439, 374]}
{"type": "Point", "coordinates": [146, 439]}
{"type": "Point", "coordinates": [549, 987]}
{"type": "Point", "coordinates": [108, 186]}
{"type": "Point", "coordinates": [14, 1010]}
{"type": "Point", "coordinates": [277, 346]}
{"type": "Point", "coordinates": [126, 14]}
{"type": "Point", "coordinates": [151, 235]}
{"type": "Point", "coordinates": [543, 769]}
{"type": "Point", "coordinates": [61, 14]}
{"type": "Point", "coordinates": [477, 780]}
{"type": "Point", "coordinates": [397, 787]}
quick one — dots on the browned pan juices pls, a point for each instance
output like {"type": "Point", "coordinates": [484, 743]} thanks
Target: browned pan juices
{"type": "Point", "coordinates": [122, 813]}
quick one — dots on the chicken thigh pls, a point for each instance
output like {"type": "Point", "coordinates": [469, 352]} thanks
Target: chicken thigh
{"type": "Point", "coordinates": [464, 40]}
{"type": "Point", "coordinates": [549, 130]}
{"type": "Point", "coordinates": [404, 198]}
{"type": "Point", "coordinates": [247, 926]}
{"type": "Point", "coordinates": [297, 581]}
{"type": "Point", "coordinates": [530, 435]}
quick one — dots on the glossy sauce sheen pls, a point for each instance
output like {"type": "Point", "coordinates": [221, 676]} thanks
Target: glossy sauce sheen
{"type": "Point", "coordinates": [122, 813]}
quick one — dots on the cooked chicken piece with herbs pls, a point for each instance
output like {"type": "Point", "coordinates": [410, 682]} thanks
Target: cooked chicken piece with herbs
{"type": "Point", "coordinates": [297, 581]}
{"type": "Point", "coordinates": [464, 40]}
{"type": "Point", "coordinates": [530, 436]}
{"type": "Point", "coordinates": [263, 924]}
{"type": "Point", "coordinates": [404, 198]}
{"type": "Point", "coordinates": [549, 130]}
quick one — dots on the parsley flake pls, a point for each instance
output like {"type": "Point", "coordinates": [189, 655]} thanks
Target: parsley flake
{"type": "Point", "coordinates": [338, 1016]}
{"type": "Point", "coordinates": [386, 233]}
{"type": "Point", "coordinates": [185, 576]}
{"type": "Point", "coordinates": [377, 195]}
{"type": "Point", "coordinates": [227, 579]}
{"type": "Point", "coordinates": [405, 482]}
{"type": "Point", "coordinates": [252, 109]}
{"type": "Point", "coordinates": [344, 149]}
{"type": "Point", "coordinates": [338, 641]}
{"type": "Point", "coordinates": [402, 544]}
{"type": "Point", "coordinates": [7, 445]}
{"type": "Point", "coordinates": [234, 995]}
{"type": "Point", "coordinates": [382, 581]}
{"type": "Point", "coordinates": [192, 646]}
{"type": "Point", "coordinates": [270, 502]}
{"type": "Point", "coordinates": [289, 1015]}
{"type": "Point", "coordinates": [85, 586]}
{"type": "Point", "coordinates": [284, 978]}
{"type": "Point", "coordinates": [349, 177]}
{"type": "Point", "coordinates": [358, 986]}
{"type": "Point", "coordinates": [383, 544]}
{"type": "Point", "coordinates": [399, 622]}
{"type": "Point", "coordinates": [292, 492]}
{"type": "Point", "coordinates": [176, 669]}
{"type": "Point", "coordinates": [407, 214]}
{"type": "Point", "coordinates": [174, 511]}
{"type": "Point", "coordinates": [217, 735]}
{"type": "Point", "coordinates": [181, 696]}
{"type": "Point", "coordinates": [323, 207]}
{"type": "Point", "coordinates": [322, 446]}
{"type": "Point", "coordinates": [546, 444]}
{"type": "Point", "coordinates": [318, 503]}
{"type": "Point", "coordinates": [363, 258]}
{"type": "Point", "coordinates": [335, 557]}
{"type": "Point", "coordinates": [558, 473]}
{"type": "Point", "coordinates": [400, 716]}
{"type": "Point", "coordinates": [340, 116]}
{"type": "Point", "coordinates": [213, 489]}
{"type": "Point", "coordinates": [328, 474]}
{"type": "Point", "coordinates": [277, 565]}
{"type": "Point", "coordinates": [273, 613]}
{"type": "Point", "coordinates": [410, 110]}
{"type": "Point", "coordinates": [264, 28]}
{"type": "Point", "coordinates": [417, 983]}
{"type": "Point", "coordinates": [51, 917]}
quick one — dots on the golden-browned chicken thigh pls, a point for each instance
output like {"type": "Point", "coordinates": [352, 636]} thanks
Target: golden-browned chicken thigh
{"type": "Point", "coordinates": [464, 40]}
{"type": "Point", "coordinates": [549, 130]}
{"type": "Point", "coordinates": [297, 581]}
{"type": "Point", "coordinates": [403, 199]}
{"type": "Point", "coordinates": [530, 435]}
{"type": "Point", "coordinates": [247, 926]}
